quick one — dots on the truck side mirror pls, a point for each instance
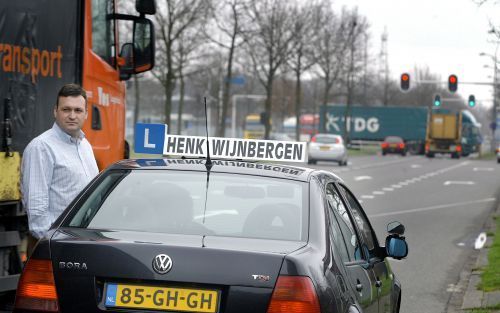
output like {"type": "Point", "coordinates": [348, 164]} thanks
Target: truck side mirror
{"type": "Point", "coordinates": [145, 6]}
{"type": "Point", "coordinates": [144, 45]}
{"type": "Point", "coordinates": [127, 55]}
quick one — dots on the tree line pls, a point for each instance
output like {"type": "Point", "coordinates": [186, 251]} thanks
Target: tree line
{"type": "Point", "coordinates": [299, 54]}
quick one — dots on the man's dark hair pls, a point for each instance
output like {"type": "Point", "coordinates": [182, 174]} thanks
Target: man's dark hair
{"type": "Point", "coordinates": [71, 90]}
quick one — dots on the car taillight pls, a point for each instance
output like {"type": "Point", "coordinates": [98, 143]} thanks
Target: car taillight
{"type": "Point", "coordinates": [294, 294]}
{"type": "Point", "coordinates": [427, 147]}
{"type": "Point", "coordinates": [337, 140]}
{"type": "Point", "coordinates": [401, 146]}
{"type": "Point", "coordinates": [313, 139]}
{"type": "Point", "coordinates": [459, 148]}
{"type": "Point", "coordinates": [385, 145]}
{"type": "Point", "coordinates": [37, 289]}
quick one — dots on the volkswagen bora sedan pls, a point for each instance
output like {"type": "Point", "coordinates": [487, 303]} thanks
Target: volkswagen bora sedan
{"type": "Point", "coordinates": [183, 236]}
{"type": "Point", "coordinates": [327, 147]}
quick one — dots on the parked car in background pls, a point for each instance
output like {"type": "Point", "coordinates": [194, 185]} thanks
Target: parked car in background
{"type": "Point", "coordinates": [327, 147]}
{"type": "Point", "coordinates": [393, 144]}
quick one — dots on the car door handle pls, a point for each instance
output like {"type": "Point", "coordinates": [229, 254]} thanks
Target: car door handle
{"type": "Point", "coordinates": [359, 286]}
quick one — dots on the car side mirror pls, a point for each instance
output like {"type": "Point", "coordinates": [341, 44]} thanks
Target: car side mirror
{"type": "Point", "coordinates": [396, 247]}
{"type": "Point", "coordinates": [396, 228]}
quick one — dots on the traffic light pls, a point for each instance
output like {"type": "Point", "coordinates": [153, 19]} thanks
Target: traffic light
{"type": "Point", "coordinates": [472, 101]}
{"type": "Point", "coordinates": [452, 83]}
{"type": "Point", "coordinates": [405, 81]}
{"type": "Point", "coordinates": [437, 100]}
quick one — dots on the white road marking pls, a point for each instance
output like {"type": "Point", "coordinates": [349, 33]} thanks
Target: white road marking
{"type": "Point", "coordinates": [416, 166]}
{"type": "Point", "coordinates": [360, 201]}
{"type": "Point", "coordinates": [360, 178]}
{"type": "Point", "coordinates": [453, 288]}
{"type": "Point", "coordinates": [378, 192]}
{"type": "Point", "coordinates": [388, 189]}
{"type": "Point", "coordinates": [483, 169]}
{"type": "Point", "coordinates": [432, 208]}
{"type": "Point", "coordinates": [396, 186]}
{"type": "Point", "coordinates": [461, 244]}
{"type": "Point", "coordinates": [480, 241]}
{"type": "Point", "coordinates": [453, 182]}
{"type": "Point", "coordinates": [367, 197]}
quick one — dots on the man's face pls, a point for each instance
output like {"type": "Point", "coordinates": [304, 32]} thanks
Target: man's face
{"type": "Point", "coordinates": [70, 114]}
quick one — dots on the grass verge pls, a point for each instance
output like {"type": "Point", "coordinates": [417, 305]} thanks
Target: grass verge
{"type": "Point", "coordinates": [492, 309]}
{"type": "Point", "coordinates": [365, 150]}
{"type": "Point", "coordinates": [490, 278]}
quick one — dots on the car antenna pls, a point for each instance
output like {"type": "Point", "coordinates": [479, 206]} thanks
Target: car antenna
{"type": "Point", "coordinates": [208, 163]}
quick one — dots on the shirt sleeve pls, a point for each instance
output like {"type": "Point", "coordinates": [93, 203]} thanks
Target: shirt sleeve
{"type": "Point", "coordinates": [37, 168]}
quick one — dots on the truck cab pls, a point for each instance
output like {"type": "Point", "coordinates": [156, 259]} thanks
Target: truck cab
{"type": "Point", "coordinates": [44, 45]}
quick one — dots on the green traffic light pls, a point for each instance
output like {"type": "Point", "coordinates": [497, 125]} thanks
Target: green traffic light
{"type": "Point", "coordinates": [437, 100]}
{"type": "Point", "coordinates": [472, 101]}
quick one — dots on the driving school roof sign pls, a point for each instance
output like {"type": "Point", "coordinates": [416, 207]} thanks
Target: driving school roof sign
{"type": "Point", "coordinates": [152, 138]}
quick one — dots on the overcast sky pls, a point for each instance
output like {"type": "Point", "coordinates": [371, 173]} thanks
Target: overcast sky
{"type": "Point", "coordinates": [445, 35]}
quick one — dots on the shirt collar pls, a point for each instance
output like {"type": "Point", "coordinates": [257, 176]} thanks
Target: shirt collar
{"type": "Point", "coordinates": [65, 136]}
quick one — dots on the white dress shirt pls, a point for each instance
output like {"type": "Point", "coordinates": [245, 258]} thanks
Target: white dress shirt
{"type": "Point", "coordinates": [55, 168]}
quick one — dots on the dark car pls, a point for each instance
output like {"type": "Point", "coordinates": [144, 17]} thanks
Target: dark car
{"type": "Point", "coordinates": [178, 235]}
{"type": "Point", "coordinates": [394, 144]}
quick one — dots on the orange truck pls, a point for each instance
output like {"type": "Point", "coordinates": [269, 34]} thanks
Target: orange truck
{"type": "Point", "coordinates": [45, 44]}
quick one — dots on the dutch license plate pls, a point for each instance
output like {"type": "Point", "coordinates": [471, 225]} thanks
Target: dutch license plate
{"type": "Point", "coordinates": [162, 298]}
{"type": "Point", "coordinates": [324, 148]}
{"type": "Point", "coordinates": [393, 145]}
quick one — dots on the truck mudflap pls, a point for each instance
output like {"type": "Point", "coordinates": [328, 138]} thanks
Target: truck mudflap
{"type": "Point", "coordinates": [10, 167]}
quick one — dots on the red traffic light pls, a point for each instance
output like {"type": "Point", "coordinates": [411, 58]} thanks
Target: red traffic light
{"type": "Point", "coordinates": [405, 81]}
{"type": "Point", "coordinates": [452, 83]}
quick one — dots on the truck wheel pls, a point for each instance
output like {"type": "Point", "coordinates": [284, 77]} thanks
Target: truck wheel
{"type": "Point", "coordinates": [384, 153]}
{"type": "Point", "coordinates": [403, 153]}
{"type": "Point", "coordinates": [455, 155]}
{"type": "Point", "coordinates": [429, 154]}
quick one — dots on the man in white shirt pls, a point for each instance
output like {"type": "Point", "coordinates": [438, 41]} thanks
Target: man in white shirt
{"type": "Point", "coordinates": [58, 164]}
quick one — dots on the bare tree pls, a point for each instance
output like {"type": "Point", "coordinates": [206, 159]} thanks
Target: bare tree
{"type": "Point", "coordinates": [302, 58]}
{"type": "Point", "coordinates": [330, 44]}
{"type": "Point", "coordinates": [354, 64]}
{"type": "Point", "coordinates": [229, 22]}
{"type": "Point", "coordinates": [269, 43]}
{"type": "Point", "coordinates": [173, 18]}
{"type": "Point", "coordinates": [187, 56]}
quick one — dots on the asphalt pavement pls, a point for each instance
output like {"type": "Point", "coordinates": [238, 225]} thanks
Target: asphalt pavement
{"type": "Point", "coordinates": [443, 204]}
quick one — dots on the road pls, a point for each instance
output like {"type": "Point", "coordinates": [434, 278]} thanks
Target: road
{"type": "Point", "coordinates": [443, 204]}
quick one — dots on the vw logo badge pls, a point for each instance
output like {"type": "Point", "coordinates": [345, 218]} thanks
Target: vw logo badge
{"type": "Point", "coordinates": [162, 264]}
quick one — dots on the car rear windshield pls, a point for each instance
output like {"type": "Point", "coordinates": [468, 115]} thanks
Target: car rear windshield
{"type": "Point", "coordinates": [327, 139]}
{"type": "Point", "coordinates": [393, 139]}
{"type": "Point", "coordinates": [179, 202]}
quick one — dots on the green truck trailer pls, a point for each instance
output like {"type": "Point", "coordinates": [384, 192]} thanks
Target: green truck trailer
{"type": "Point", "coordinates": [410, 123]}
